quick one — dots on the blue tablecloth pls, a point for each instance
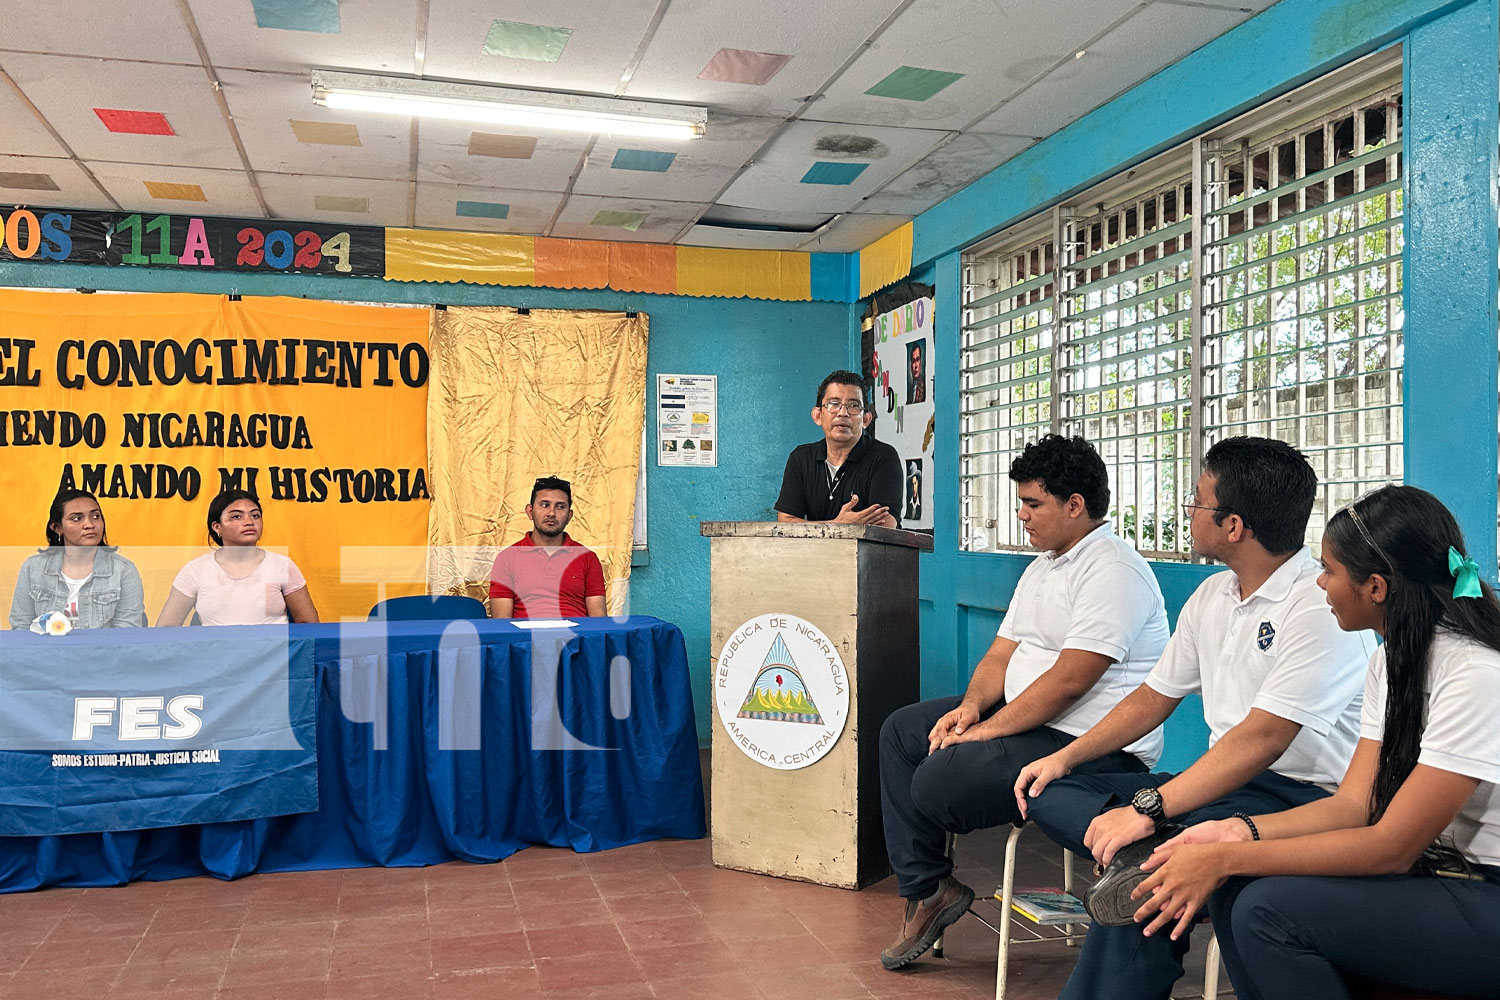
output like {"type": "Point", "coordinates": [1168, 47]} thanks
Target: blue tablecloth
{"type": "Point", "coordinates": [594, 748]}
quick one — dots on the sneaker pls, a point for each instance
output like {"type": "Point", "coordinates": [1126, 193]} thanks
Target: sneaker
{"type": "Point", "coordinates": [1108, 900]}
{"type": "Point", "coordinates": [925, 922]}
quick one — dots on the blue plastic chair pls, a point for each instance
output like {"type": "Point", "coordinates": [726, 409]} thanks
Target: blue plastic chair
{"type": "Point", "coordinates": [428, 607]}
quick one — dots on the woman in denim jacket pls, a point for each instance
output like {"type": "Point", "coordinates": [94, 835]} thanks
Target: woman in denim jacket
{"type": "Point", "coordinates": [78, 573]}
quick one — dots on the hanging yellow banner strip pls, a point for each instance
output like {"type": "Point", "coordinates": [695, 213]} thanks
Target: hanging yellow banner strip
{"type": "Point", "coordinates": [884, 262]}
{"type": "Point", "coordinates": [478, 258]}
{"type": "Point", "coordinates": [500, 259]}
{"type": "Point", "coordinates": [759, 274]}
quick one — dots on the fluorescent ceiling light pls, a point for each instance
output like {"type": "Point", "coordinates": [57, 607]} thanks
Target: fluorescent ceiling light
{"type": "Point", "coordinates": [524, 109]}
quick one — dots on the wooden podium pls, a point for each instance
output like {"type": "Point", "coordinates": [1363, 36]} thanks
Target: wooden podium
{"type": "Point", "coordinates": [849, 587]}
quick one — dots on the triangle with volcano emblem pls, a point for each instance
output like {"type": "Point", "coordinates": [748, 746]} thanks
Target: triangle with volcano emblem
{"type": "Point", "coordinates": [779, 693]}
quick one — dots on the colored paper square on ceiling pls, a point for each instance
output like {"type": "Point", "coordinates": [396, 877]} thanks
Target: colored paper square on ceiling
{"type": "Point", "coordinates": [135, 122]}
{"type": "Point", "coordinates": [340, 203]}
{"type": "Point", "coordinates": [325, 133]}
{"type": "Point", "coordinates": [535, 42]}
{"type": "Point", "coordinates": [298, 15]}
{"type": "Point", "coordinates": [744, 66]}
{"type": "Point", "coordinates": [168, 191]}
{"type": "Point", "coordinates": [824, 172]}
{"type": "Point", "coordinates": [482, 210]}
{"type": "Point", "coordinates": [912, 84]}
{"type": "Point", "coordinates": [620, 220]}
{"type": "Point", "coordinates": [509, 147]}
{"type": "Point", "coordinates": [28, 182]}
{"type": "Point", "coordinates": [642, 159]}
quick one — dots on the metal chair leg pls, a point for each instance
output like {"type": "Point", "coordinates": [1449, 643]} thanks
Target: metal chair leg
{"type": "Point", "coordinates": [1007, 894]}
{"type": "Point", "coordinates": [948, 847]}
{"type": "Point", "coordinates": [1211, 971]}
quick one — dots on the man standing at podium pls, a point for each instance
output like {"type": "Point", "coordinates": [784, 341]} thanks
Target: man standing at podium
{"type": "Point", "coordinates": [846, 478]}
{"type": "Point", "coordinates": [1084, 627]}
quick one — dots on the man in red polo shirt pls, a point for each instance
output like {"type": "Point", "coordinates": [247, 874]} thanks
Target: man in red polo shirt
{"type": "Point", "coordinates": [546, 574]}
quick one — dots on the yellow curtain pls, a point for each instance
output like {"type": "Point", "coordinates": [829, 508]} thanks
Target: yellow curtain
{"type": "Point", "coordinates": [512, 397]}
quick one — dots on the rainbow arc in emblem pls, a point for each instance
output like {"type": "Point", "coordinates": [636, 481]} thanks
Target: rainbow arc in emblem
{"type": "Point", "coordinates": [779, 693]}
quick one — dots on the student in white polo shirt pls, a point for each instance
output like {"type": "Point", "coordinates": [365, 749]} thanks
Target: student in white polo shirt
{"type": "Point", "coordinates": [1281, 688]}
{"type": "Point", "coordinates": [1084, 626]}
{"type": "Point", "coordinates": [1357, 894]}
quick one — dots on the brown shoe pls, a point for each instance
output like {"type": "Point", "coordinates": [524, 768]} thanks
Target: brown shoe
{"type": "Point", "coordinates": [925, 922]}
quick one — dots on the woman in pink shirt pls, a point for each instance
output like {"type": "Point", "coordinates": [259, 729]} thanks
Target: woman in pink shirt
{"type": "Point", "coordinates": [239, 583]}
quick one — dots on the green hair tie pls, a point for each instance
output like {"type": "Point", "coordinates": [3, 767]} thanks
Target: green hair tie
{"type": "Point", "coordinates": [1465, 574]}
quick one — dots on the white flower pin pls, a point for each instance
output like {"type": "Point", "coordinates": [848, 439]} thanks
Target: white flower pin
{"type": "Point", "coordinates": [52, 623]}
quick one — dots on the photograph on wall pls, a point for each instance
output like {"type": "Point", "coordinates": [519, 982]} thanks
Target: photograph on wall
{"type": "Point", "coordinates": [904, 411]}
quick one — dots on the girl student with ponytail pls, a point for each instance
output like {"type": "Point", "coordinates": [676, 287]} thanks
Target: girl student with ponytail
{"type": "Point", "coordinates": [1396, 877]}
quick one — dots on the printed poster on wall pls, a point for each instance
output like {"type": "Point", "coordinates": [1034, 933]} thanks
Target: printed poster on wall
{"type": "Point", "coordinates": [903, 400]}
{"type": "Point", "coordinates": [687, 420]}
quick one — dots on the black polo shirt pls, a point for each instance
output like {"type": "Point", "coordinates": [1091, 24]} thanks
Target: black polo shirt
{"type": "Point", "coordinates": [873, 470]}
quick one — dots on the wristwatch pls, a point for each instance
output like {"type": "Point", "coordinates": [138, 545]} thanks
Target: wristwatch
{"type": "Point", "coordinates": [1148, 803]}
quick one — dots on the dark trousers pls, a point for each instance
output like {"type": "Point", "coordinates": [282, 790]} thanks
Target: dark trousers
{"type": "Point", "coordinates": [956, 790]}
{"type": "Point", "coordinates": [1121, 963]}
{"type": "Point", "coordinates": [1294, 937]}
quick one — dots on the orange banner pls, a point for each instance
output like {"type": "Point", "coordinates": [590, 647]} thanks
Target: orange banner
{"type": "Point", "coordinates": [156, 402]}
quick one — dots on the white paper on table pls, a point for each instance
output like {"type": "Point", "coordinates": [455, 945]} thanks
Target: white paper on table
{"type": "Point", "coordinates": [544, 623]}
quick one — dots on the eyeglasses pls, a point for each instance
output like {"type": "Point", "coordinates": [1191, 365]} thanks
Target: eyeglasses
{"type": "Point", "coordinates": [1191, 504]}
{"type": "Point", "coordinates": [854, 407]}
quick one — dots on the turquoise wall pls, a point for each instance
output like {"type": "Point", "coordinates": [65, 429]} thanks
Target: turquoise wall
{"type": "Point", "coordinates": [1452, 128]}
{"type": "Point", "coordinates": [769, 357]}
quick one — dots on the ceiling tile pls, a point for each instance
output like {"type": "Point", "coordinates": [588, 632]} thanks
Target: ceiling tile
{"type": "Point", "coordinates": [325, 133]}
{"type": "Point", "coordinates": [74, 189]}
{"type": "Point", "coordinates": [445, 156]}
{"type": "Point", "coordinates": [481, 209]}
{"type": "Point", "coordinates": [21, 133]}
{"type": "Point", "coordinates": [135, 122]}
{"type": "Point", "coordinates": [280, 127]}
{"type": "Point", "coordinates": [1151, 40]}
{"type": "Point", "coordinates": [376, 36]}
{"type": "Point", "coordinates": [526, 211]}
{"type": "Point", "coordinates": [774, 181]}
{"type": "Point", "coordinates": [298, 15]}
{"type": "Point", "coordinates": [604, 35]}
{"type": "Point", "coordinates": [997, 45]}
{"type": "Point", "coordinates": [817, 38]}
{"type": "Point", "coordinates": [700, 168]}
{"type": "Point", "coordinates": [68, 89]}
{"type": "Point", "coordinates": [225, 192]}
{"type": "Point", "coordinates": [172, 191]}
{"type": "Point", "coordinates": [743, 66]}
{"type": "Point", "coordinates": [140, 29]}
{"type": "Point", "coordinates": [533, 42]}
{"type": "Point", "coordinates": [619, 220]}
{"type": "Point", "coordinates": [945, 171]}
{"type": "Point", "coordinates": [909, 83]}
{"type": "Point", "coordinates": [11, 182]}
{"type": "Point", "coordinates": [507, 147]}
{"type": "Point", "coordinates": [852, 233]}
{"type": "Point", "coordinates": [642, 159]}
{"type": "Point", "coordinates": [664, 220]}
{"type": "Point", "coordinates": [823, 172]}
{"type": "Point", "coordinates": [355, 201]}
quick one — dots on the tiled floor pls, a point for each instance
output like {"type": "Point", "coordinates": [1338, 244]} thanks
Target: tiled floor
{"type": "Point", "coordinates": [649, 921]}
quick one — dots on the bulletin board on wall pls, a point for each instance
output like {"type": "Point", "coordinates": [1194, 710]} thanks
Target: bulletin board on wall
{"type": "Point", "coordinates": [897, 346]}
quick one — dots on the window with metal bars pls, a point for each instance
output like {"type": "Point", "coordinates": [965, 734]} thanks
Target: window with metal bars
{"type": "Point", "coordinates": [1125, 348]}
{"type": "Point", "coordinates": [1302, 318]}
{"type": "Point", "coordinates": [1005, 384]}
{"type": "Point", "coordinates": [1296, 334]}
